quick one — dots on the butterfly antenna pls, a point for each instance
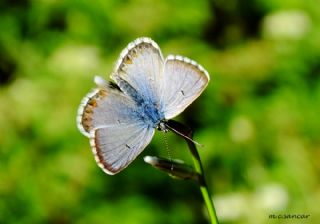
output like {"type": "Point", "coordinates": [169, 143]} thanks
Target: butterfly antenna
{"type": "Point", "coordinates": [179, 133]}
{"type": "Point", "coordinates": [167, 148]}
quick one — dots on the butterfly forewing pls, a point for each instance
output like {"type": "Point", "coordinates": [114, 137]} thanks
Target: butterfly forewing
{"type": "Point", "coordinates": [103, 106]}
{"type": "Point", "coordinates": [141, 65]}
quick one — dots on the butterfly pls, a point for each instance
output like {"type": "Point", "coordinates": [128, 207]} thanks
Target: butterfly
{"type": "Point", "coordinates": [120, 117]}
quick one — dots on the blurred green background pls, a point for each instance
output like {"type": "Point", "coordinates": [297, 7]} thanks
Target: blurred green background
{"type": "Point", "coordinates": [258, 118]}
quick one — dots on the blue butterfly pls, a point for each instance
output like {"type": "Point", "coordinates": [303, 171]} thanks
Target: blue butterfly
{"type": "Point", "coordinates": [120, 117]}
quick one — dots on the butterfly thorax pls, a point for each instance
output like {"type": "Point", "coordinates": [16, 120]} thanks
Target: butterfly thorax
{"type": "Point", "coordinates": [147, 109]}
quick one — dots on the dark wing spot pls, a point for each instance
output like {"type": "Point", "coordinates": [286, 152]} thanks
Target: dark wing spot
{"type": "Point", "coordinates": [128, 146]}
{"type": "Point", "coordinates": [182, 92]}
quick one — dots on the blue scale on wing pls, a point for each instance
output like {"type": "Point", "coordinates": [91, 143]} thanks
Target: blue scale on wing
{"type": "Point", "coordinates": [147, 109]}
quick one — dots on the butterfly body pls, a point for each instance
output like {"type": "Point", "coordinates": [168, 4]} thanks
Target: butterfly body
{"type": "Point", "coordinates": [148, 110]}
{"type": "Point", "coordinates": [120, 117]}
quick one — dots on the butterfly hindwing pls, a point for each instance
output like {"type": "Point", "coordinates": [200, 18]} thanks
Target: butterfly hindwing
{"type": "Point", "coordinates": [182, 82]}
{"type": "Point", "coordinates": [116, 146]}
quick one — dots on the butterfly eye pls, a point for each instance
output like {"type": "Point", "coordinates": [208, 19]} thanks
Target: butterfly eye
{"type": "Point", "coordinates": [162, 127]}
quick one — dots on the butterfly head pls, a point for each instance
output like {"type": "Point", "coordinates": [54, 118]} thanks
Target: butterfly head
{"type": "Point", "coordinates": [162, 126]}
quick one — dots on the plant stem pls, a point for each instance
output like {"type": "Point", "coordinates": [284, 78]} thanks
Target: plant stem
{"type": "Point", "coordinates": [187, 134]}
{"type": "Point", "coordinates": [204, 189]}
